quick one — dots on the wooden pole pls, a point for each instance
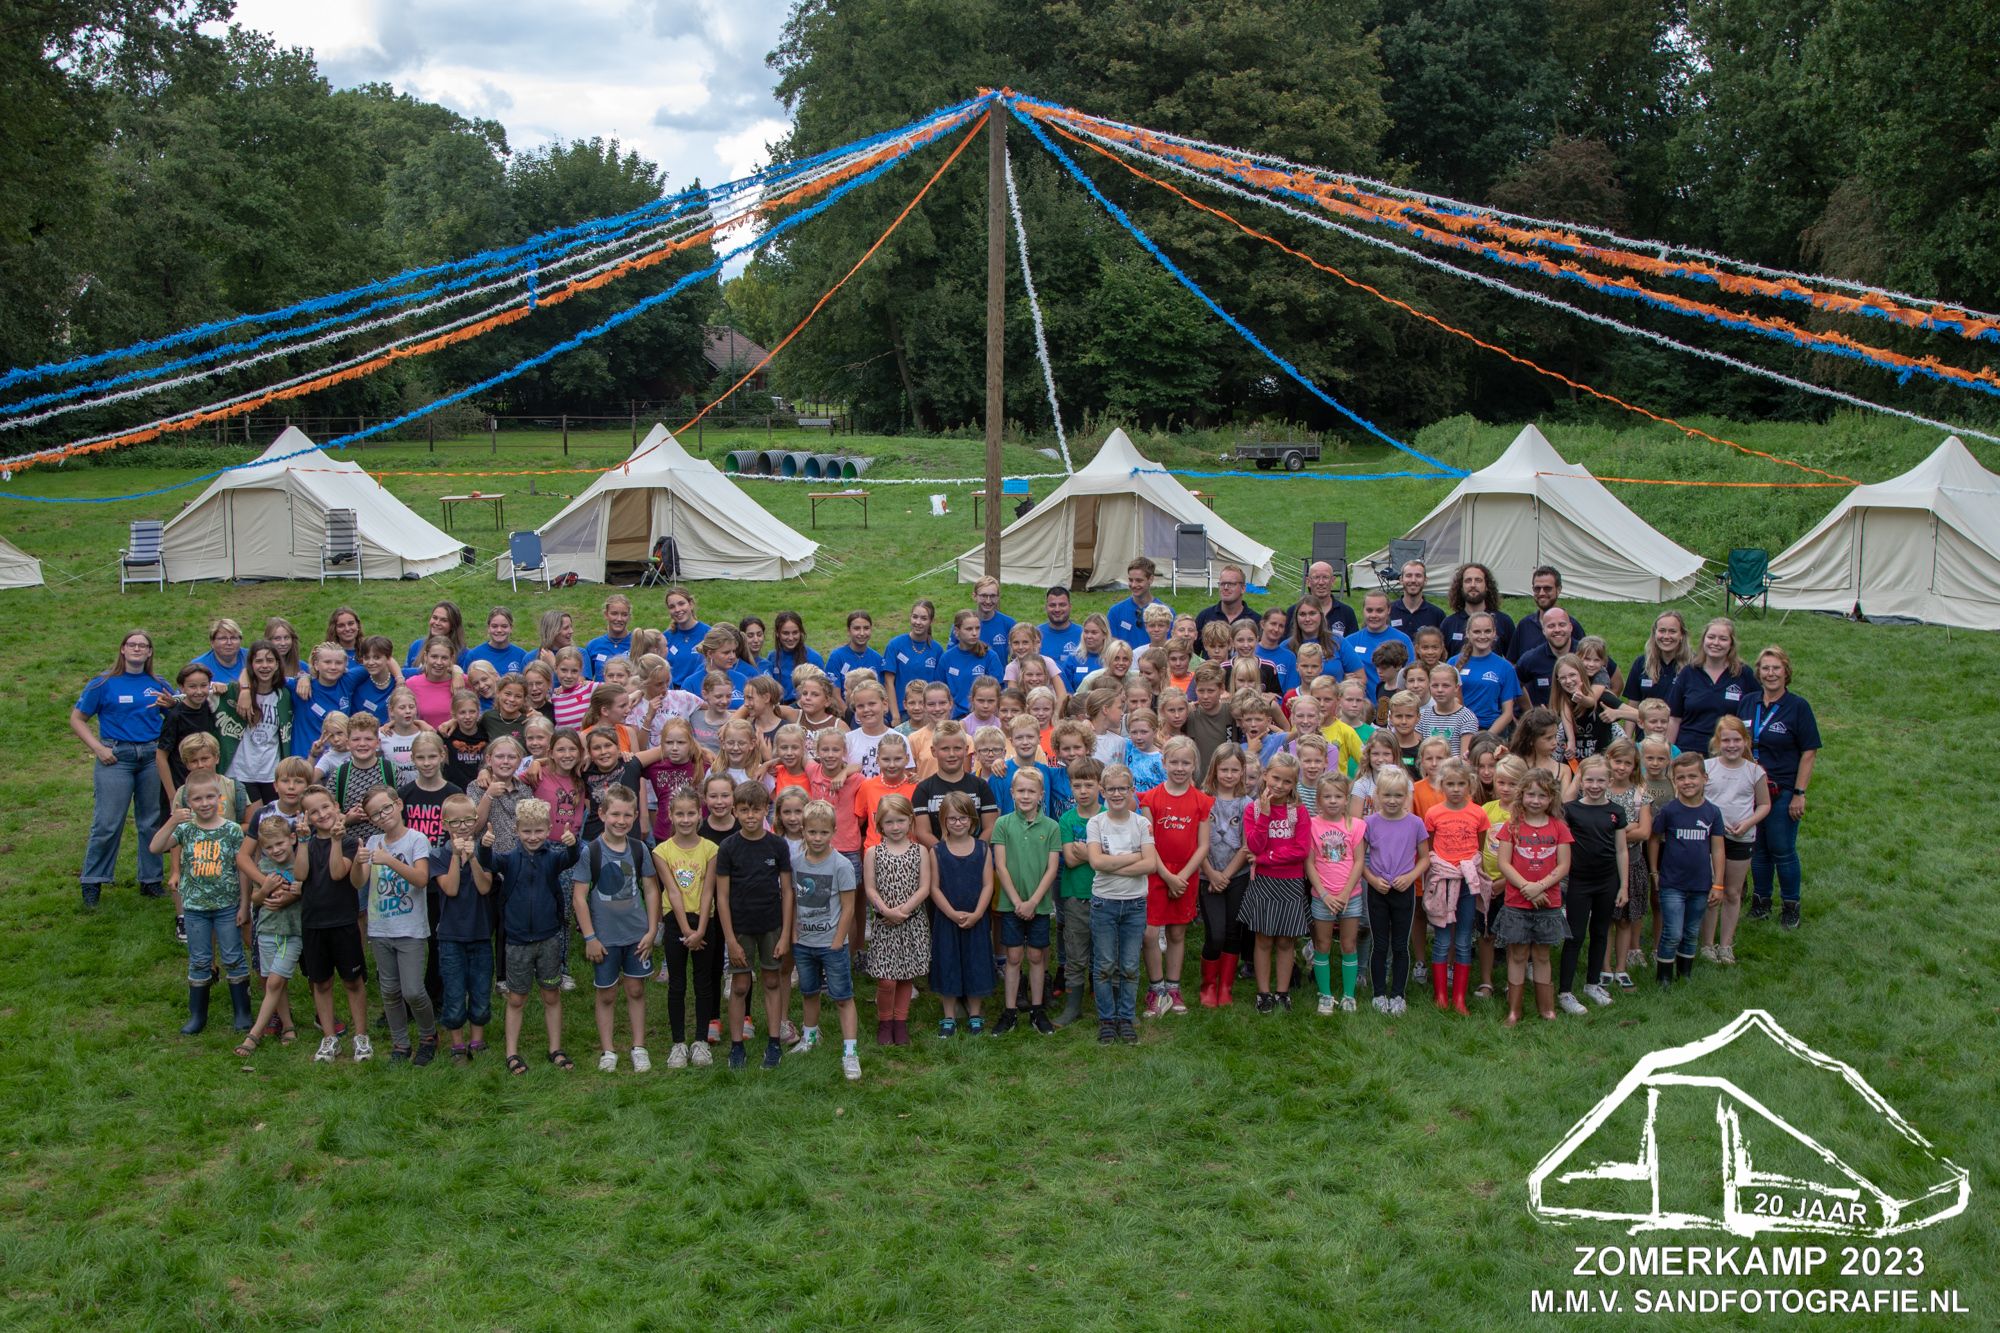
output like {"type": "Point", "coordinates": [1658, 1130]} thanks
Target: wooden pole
{"type": "Point", "coordinates": [565, 426]}
{"type": "Point", "coordinates": [996, 298]}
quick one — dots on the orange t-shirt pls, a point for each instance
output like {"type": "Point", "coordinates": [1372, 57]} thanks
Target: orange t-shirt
{"type": "Point", "coordinates": [1455, 833]}
{"type": "Point", "coordinates": [843, 795]}
{"type": "Point", "coordinates": [870, 795]}
{"type": "Point", "coordinates": [1422, 797]}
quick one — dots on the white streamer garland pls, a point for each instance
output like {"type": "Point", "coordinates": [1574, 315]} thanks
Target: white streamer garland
{"type": "Point", "coordinates": [1035, 310]}
{"type": "Point", "coordinates": [1486, 280]}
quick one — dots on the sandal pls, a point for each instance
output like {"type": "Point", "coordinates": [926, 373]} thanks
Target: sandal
{"type": "Point", "coordinates": [476, 1047]}
{"type": "Point", "coordinates": [560, 1059]}
{"type": "Point", "coordinates": [289, 1035]}
{"type": "Point", "coordinates": [1485, 991]}
{"type": "Point", "coordinates": [247, 1047]}
{"type": "Point", "coordinates": [516, 1065]}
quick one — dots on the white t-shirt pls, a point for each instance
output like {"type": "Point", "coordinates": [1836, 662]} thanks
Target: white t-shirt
{"type": "Point", "coordinates": [1119, 838]}
{"type": "Point", "coordinates": [396, 907]}
{"type": "Point", "coordinates": [396, 749]}
{"type": "Point", "coordinates": [1734, 791]}
{"type": "Point", "coordinates": [861, 748]}
{"type": "Point", "coordinates": [256, 757]}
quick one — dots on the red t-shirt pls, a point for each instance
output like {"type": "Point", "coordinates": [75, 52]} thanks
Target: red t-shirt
{"type": "Point", "coordinates": [1534, 858]}
{"type": "Point", "coordinates": [1177, 824]}
{"type": "Point", "coordinates": [1455, 833]}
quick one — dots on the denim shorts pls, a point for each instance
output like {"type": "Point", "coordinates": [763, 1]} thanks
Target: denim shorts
{"type": "Point", "coordinates": [279, 954]}
{"type": "Point", "coordinates": [1030, 934]}
{"type": "Point", "coordinates": [1357, 907]}
{"type": "Point", "coordinates": [622, 960]}
{"type": "Point", "coordinates": [824, 969]}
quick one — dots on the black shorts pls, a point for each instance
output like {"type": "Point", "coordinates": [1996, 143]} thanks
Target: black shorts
{"type": "Point", "coordinates": [1733, 850]}
{"type": "Point", "coordinates": [331, 949]}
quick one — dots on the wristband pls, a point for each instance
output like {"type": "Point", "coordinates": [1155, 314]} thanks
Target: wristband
{"type": "Point", "coordinates": [592, 939]}
{"type": "Point", "coordinates": [1713, 888]}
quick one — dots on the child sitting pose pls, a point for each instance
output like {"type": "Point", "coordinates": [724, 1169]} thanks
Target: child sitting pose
{"type": "Point", "coordinates": [824, 886]}
{"type": "Point", "coordinates": [1334, 875]}
{"type": "Point", "coordinates": [1534, 859]}
{"type": "Point", "coordinates": [616, 899]}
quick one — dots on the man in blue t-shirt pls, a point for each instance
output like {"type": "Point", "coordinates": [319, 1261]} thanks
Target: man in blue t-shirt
{"type": "Point", "coordinates": [616, 641]}
{"type": "Point", "coordinates": [1357, 650]}
{"type": "Point", "coordinates": [994, 624]}
{"type": "Point", "coordinates": [1128, 618]}
{"type": "Point", "coordinates": [684, 632]}
{"type": "Point", "coordinates": [1062, 638]}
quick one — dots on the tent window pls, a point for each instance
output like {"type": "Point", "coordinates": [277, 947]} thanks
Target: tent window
{"type": "Point", "coordinates": [575, 535]}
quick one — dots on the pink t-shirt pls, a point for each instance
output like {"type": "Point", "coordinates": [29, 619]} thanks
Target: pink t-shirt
{"type": "Point", "coordinates": [571, 704]}
{"type": "Point", "coordinates": [433, 698]}
{"type": "Point", "coordinates": [1337, 852]}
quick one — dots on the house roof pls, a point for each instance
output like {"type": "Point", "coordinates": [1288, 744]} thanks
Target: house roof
{"type": "Point", "coordinates": [726, 349]}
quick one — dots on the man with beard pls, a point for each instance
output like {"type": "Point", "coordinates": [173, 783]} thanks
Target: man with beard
{"type": "Point", "coordinates": [1546, 583]}
{"type": "Point", "coordinates": [1473, 591]}
{"type": "Point", "coordinates": [1230, 581]}
{"type": "Point", "coordinates": [1062, 638]}
{"type": "Point", "coordinates": [1340, 616]}
{"type": "Point", "coordinates": [1413, 611]}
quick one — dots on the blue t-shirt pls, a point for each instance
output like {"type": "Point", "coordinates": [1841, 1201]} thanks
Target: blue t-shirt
{"type": "Point", "coordinates": [309, 713]}
{"type": "Point", "coordinates": [1056, 794]}
{"type": "Point", "coordinates": [123, 706]}
{"type": "Point", "coordinates": [1641, 685]}
{"type": "Point", "coordinates": [1148, 770]}
{"type": "Point", "coordinates": [1128, 621]}
{"type": "Point", "coordinates": [1700, 702]}
{"type": "Point", "coordinates": [1283, 661]}
{"type": "Point", "coordinates": [1780, 734]}
{"type": "Point", "coordinates": [844, 659]}
{"type": "Point", "coordinates": [1077, 669]}
{"type": "Point", "coordinates": [365, 696]}
{"type": "Point", "coordinates": [780, 668]}
{"type": "Point", "coordinates": [1002, 788]}
{"type": "Point", "coordinates": [1486, 684]}
{"type": "Point", "coordinates": [1684, 831]}
{"type": "Point", "coordinates": [601, 650]}
{"type": "Point", "coordinates": [504, 660]}
{"type": "Point", "coordinates": [684, 645]}
{"type": "Point", "coordinates": [993, 633]}
{"type": "Point", "coordinates": [1063, 646]}
{"type": "Point", "coordinates": [959, 669]}
{"type": "Point", "coordinates": [1357, 651]}
{"type": "Point", "coordinates": [220, 674]}
{"type": "Point", "coordinates": [739, 675]}
{"type": "Point", "coordinates": [908, 660]}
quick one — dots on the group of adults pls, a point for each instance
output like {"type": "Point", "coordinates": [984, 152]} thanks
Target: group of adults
{"type": "Point", "coordinates": [1499, 660]}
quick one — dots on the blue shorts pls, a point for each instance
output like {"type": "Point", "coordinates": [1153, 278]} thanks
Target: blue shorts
{"type": "Point", "coordinates": [1356, 908]}
{"type": "Point", "coordinates": [1032, 933]}
{"type": "Point", "coordinates": [622, 960]}
{"type": "Point", "coordinates": [824, 969]}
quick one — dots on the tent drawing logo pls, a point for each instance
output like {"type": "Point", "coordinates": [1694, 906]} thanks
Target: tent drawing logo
{"type": "Point", "coordinates": [1797, 1141]}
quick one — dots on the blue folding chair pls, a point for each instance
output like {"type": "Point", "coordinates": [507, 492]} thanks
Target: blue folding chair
{"type": "Point", "coordinates": [524, 556]}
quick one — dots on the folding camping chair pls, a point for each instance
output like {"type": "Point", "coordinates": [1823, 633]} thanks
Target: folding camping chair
{"type": "Point", "coordinates": [1747, 578]}
{"type": "Point", "coordinates": [524, 556]}
{"type": "Point", "coordinates": [1330, 545]}
{"type": "Point", "coordinates": [340, 555]}
{"type": "Point", "coordinates": [663, 566]}
{"type": "Point", "coordinates": [142, 561]}
{"type": "Point", "coordinates": [1401, 552]}
{"type": "Point", "coordinates": [1191, 556]}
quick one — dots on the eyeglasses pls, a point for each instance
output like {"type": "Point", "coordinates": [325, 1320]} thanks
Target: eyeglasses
{"type": "Point", "coordinates": [1113, 791]}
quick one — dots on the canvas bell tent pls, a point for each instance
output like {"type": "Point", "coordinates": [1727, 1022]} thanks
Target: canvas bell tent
{"type": "Point", "coordinates": [1925, 545]}
{"type": "Point", "coordinates": [1532, 507]}
{"type": "Point", "coordinates": [1111, 511]}
{"type": "Point", "coordinates": [18, 569]}
{"type": "Point", "coordinates": [663, 491]}
{"type": "Point", "coordinates": [268, 521]}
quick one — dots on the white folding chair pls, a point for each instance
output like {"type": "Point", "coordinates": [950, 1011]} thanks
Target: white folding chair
{"type": "Point", "coordinates": [142, 561]}
{"type": "Point", "coordinates": [340, 555]}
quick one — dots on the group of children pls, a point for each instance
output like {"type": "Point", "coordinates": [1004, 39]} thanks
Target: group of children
{"type": "Point", "coordinates": [788, 833]}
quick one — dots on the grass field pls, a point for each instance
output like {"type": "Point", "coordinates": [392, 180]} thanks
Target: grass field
{"type": "Point", "coordinates": [1231, 1172]}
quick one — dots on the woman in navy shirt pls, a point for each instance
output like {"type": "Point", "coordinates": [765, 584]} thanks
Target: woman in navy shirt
{"type": "Point", "coordinates": [128, 702]}
{"type": "Point", "coordinates": [1712, 688]}
{"type": "Point", "coordinates": [1653, 671]}
{"type": "Point", "coordinates": [1785, 741]}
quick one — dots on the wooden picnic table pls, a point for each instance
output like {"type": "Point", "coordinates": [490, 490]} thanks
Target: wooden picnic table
{"type": "Point", "coordinates": [859, 497]}
{"type": "Point", "coordinates": [497, 499]}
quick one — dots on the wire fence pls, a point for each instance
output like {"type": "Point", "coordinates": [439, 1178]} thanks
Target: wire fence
{"type": "Point", "coordinates": [498, 431]}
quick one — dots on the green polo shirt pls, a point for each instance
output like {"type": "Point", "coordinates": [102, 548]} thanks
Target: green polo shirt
{"type": "Point", "coordinates": [1028, 847]}
{"type": "Point", "coordinates": [1076, 881]}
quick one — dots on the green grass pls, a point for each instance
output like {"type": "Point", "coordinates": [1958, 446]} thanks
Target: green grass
{"type": "Point", "coordinates": [1231, 1172]}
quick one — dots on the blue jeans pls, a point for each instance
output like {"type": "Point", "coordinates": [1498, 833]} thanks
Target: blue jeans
{"type": "Point", "coordinates": [208, 931]}
{"type": "Point", "coordinates": [130, 780]}
{"type": "Point", "coordinates": [1681, 911]}
{"type": "Point", "coordinates": [467, 969]}
{"type": "Point", "coordinates": [1454, 942]}
{"type": "Point", "coordinates": [1117, 930]}
{"type": "Point", "coordinates": [1776, 850]}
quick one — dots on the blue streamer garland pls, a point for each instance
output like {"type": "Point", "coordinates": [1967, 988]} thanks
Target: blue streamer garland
{"type": "Point", "coordinates": [581, 231]}
{"type": "Point", "coordinates": [567, 345]}
{"type": "Point", "coordinates": [1118, 215]}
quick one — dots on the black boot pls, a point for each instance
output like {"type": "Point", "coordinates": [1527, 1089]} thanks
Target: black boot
{"type": "Point", "coordinates": [197, 1011]}
{"type": "Point", "coordinates": [1760, 909]}
{"type": "Point", "coordinates": [1684, 966]}
{"type": "Point", "coordinates": [239, 1000]}
{"type": "Point", "coordinates": [1663, 972]}
{"type": "Point", "coordinates": [1790, 919]}
{"type": "Point", "coordinates": [152, 888]}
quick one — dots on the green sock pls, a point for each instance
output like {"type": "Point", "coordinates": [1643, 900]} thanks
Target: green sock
{"type": "Point", "coordinates": [1350, 972]}
{"type": "Point", "coordinates": [1323, 973]}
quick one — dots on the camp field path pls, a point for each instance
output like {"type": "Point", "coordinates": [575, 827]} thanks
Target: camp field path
{"type": "Point", "coordinates": [1232, 1170]}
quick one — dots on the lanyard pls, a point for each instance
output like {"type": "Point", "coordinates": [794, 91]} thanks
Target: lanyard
{"type": "Point", "coordinates": [1760, 719]}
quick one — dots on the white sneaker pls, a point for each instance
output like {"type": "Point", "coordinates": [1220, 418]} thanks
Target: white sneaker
{"type": "Point", "coordinates": [1325, 1005]}
{"type": "Point", "coordinates": [568, 983]}
{"type": "Point", "coordinates": [749, 1028]}
{"type": "Point", "coordinates": [1398, 1006]}
{"type": "Point", "coordinates": [677, 1058]}
{"type": "Point", "coordinates": [850, 1065]}
{"type": "Point", "coordinates": [806, 1042]}
{"type": "Point", "coordinates": [787, 1032]}
{"type": "Point", "coordinates": [1725, 954]}
{"type": "Point", "coordinates": [1708, 953]}
{"type": "Point", "coordinates": [364, 1049]}
{"type": "Point", "coordinates": [329, 1050]}
{"type": "Point", "coordinates": [642, 1060]}
{"type": "Point", "coordinates": [1347, 1005]}
{"type": "Point", "coordinates": [1569, 1004]}
{"type": "Point", "coordinates": [1635, 958]}
{"type": "Point", "coordinates": [698, 1055]}
{"type": "Point", "coordinates": [1382, 1004]}
{"type": "Point", "coordinates": [1596, 994]}
{"type": "Point", "coordinates": [607, 1062]}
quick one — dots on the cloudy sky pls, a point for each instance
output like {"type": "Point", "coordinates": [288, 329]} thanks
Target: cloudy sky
{"type": "Point", "coordinates": [682, 81]}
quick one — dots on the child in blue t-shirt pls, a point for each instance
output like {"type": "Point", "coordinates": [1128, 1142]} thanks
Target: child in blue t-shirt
{"type": "Point", "coordinates": [1689, 828]}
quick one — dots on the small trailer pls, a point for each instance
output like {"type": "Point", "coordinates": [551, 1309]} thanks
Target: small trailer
{"type": "Point", "coordinates": [1292, 455]}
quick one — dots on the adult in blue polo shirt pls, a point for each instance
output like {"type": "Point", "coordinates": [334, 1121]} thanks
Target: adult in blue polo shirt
{"type": "Point", "coordinates": [129, 703]}
{"type": "Point", "coordinates": [1546, 585]}
{"type": "Point", "coordinates": [912, 656]}
{"type": "Point", "coordinates": [1413, 611]}
{"type": "Point", "coordinates": [1784, 738]}
{"type": "Point", "coordinates": [1487, 681]}
{"type": "Point", "coordinates": [616, 641]}
{"type": "Point", "coordinates": [967, 659]}
{"type": "Point", "coordinates": [1062, 638]}
{"type": "Point", "coordinates": [684, 632]}
{"type": "Point", "coordinates": [1472, 592]}
{"type": "Point", "coordinates": [1088, 656]}
{"type": "Point", "coordinates": [1128, 618]}
{"type": "Point", "coordinates": [499, 649]}
{"type": "Point", "coordinates": [1667, 652]}
{"type": "Point", "coordinates": [1357, 650]}
{"type": "Point", "coordinates": [1714, 686]}
{"type": "Point", "coordinates": [994, 624]}
{"type": "Point", "coordinates": [1273, 652]}
{"type": "Point", "coordinates": [225, 658]}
